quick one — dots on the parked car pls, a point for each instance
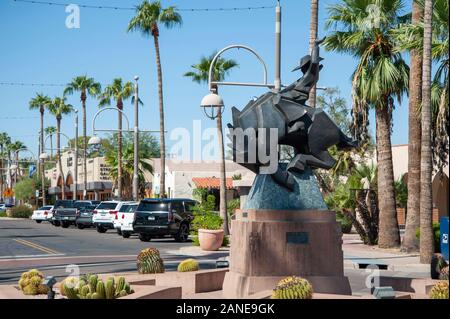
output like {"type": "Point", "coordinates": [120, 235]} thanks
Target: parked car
{"type": "Point", "coordinates": [67, 216]}
{"type": "Point", "coordinates": [60, 205]}
{"type": "Point", "coordinates": [104, 215]}
{"type": "Point", "coordinates": [2, 207]}
{"type": "Point", "coordinates": [124, 219]}
{"type": "Point", "coordinates": [84, 217]}
{"type": "Point", "coordinates": [44, 213]}
{"type": "Point", "coordinates": [164, 217]}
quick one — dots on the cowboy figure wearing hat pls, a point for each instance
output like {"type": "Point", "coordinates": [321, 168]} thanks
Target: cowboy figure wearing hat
{"type": "Point", "coordinates": [310, 67]}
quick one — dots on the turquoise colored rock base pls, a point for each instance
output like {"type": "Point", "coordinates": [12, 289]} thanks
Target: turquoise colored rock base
{"type": "Point", "coordinates": [267, 194]}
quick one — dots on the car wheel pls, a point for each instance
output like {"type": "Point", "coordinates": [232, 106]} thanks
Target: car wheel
{"type": "Point", "coordinates": [80, 226]}
{"type": "Point", "coordinates": [119, 232]}
{"type": "Point", "coordinates": [126, 234]}
{"type": "Point", "coordinates": [39, 221]}
{"type": "Point", "coordinates": [101, 230]}
{"type": "Point", "coordinates": [183, 233]}
{"type": "Point", "coordinates": [57, 224]}
{"type": "Point", "coordinates": [65, 225]}
{"type": "Point", "coordinates": [145, 237]}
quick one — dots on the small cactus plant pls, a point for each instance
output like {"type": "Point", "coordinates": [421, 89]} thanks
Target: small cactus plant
{"type": "Point", "coordinates": [149, 261]}
{"type": "Point", "coordinates": [30, 283]}
{"type": "Point", "coordinates": [440, 290]}
{"type": "Point", "coordinates": [188, 265]}
{"type": "Point", "coordinates": [293, 288]}
{"type": "Point", "coordinates": [94, 288]}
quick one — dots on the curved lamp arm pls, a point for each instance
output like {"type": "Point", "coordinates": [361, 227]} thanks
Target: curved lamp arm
{"type": "Point", "coordinates": [238, 46]}
{"type": "Point", "coordinates": [108, 130]}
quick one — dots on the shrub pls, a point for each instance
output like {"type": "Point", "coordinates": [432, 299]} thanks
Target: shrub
{"type": "Point", "coordinates": [207, 220]}
{"type": "Point", "coordinates": [437, 236]}
{"type": "Point", "coordinates": [346, 224]}
{"type": "Point", "coordinates": [3, 214]}
{"type": "Point", "coordinates": [21, 211]}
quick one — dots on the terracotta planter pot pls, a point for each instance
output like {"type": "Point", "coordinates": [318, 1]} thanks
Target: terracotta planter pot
{"type": "Point", "coordinates": [210, 240]}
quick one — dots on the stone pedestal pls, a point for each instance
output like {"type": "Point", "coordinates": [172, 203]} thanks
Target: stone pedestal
{"type": "Point", "coordinates": [269, 245]}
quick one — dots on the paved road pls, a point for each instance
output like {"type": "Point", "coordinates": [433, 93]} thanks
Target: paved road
{"type": "Point", "coordinates": [24, 244]}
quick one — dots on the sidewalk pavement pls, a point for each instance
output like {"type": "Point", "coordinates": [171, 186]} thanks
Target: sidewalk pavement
{"type": "Point", "coordinates": [356, 256]}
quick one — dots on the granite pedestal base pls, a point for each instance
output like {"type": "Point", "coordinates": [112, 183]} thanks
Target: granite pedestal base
{"type": "Point", "coordinates": [269, 245]}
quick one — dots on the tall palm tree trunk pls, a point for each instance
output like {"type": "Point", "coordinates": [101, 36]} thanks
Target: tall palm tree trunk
{"type": "Point", "coordinates": [223, 177]}
{"type": "Point", "coordinates": [83, 99]}
{"type": "Point", "coordinates": [41, 172]}
{"type": "Point", "coordinates": [41, 140]}
{"type": "Point", "coordinates": [119, 152]}
{"type": "Point", "coordinates": [1, 172]}
{"type": "Point", "coordinates": [58, 150]}
{"type": "Point", "coordinates": [389, 235]}
{"type": "Point", "coordinates": [410, 241]}
{"type": "Point", "coordinates": [51, 145]}
{"type": "Point", "coordinates": [312, 39]}
{"type": "Point", "coordinates": [426, 164]}
{"type": "Point", "coordinates": [162, 180]}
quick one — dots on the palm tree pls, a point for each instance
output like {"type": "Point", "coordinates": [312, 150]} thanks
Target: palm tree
{"type": "Point", "coordinates": [4, 141]}
{"type": "Point", "coordinates": [149, 15]}
{"type": "Point", "coordinates": [381, 76]}
{"type": "Point", "coordinates": [118, 92]}
{"type": "Point", "coordinates": [312, 39]}
{"type": "Point", "coordinates": [426, 164]}
{"type": "Point", "coordinates": [50, 130]}
{"type": "Point", "coordinates": [410, 242]}
{"type": "Point", "coordinates": [86, 86]}
{"type": "Point", "coordinates": [222, 68]}
{"type": "Point", "coordinates": [38, 103]}
{"type": "Point", "coordinates": [14, 148]}
{"type": "Point", "coordinates": [58, 107]}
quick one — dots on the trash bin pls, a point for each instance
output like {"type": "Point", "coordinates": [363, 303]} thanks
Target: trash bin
{"type": "Point", "coordinates": [444, 237]}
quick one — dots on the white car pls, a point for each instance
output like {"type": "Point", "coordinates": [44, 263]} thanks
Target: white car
{"type": "Point", "coordinates": [44, 213]}
{"type": "Point", "coordinates": [2, 208]}
{"type": "Point", "coordinates": [124, 219]}
{"type": "Point", "coordinates": [104, 215]}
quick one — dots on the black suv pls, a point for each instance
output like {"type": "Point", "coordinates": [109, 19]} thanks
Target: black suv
{"type": "Point", "coordinates": [158, 217]}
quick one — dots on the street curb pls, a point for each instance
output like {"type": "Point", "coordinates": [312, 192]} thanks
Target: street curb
{"type": "Point", "coordinates": [12, 218]}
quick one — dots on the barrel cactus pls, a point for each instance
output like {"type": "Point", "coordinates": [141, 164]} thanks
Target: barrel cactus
{"type": "Point", "coordinates": [149, 261]}
{"type": "Point", "coordinates": [188, 265]}
{"type": "Point", "coordinates": [30, 283]}
{"type": "Point", "coordinates": [293, 288]}
{"type": "Point", "coordinates": [440, 290]}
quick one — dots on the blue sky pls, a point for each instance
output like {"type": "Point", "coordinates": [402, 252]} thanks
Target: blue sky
{"type": "Point", "coordinates": [38, 48]}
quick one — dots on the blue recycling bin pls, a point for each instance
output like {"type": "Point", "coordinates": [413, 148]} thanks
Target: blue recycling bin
{"type": "Point", "coordinates": [444, 237]}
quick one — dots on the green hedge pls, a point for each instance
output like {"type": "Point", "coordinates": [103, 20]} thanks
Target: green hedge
{"type": "Point", "coordinates": [21, 211]}
{"type": "Point", "coordinates": [3, 214]}
{"type": "Point", "coordinates": [437, 236]}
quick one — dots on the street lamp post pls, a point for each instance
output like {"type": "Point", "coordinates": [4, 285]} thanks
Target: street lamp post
{"type": "Point", "coordinates": [75, 188]}
{"type": "Point", "coordinates": [136, 141]}
{"type": "Point", "coordinates": [213, 101]}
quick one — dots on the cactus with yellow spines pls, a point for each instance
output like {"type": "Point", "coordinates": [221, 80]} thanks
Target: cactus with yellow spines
{"type": "Point", "coordinates": [293, 288]}
{"type": "Point", "coordinates": [109, 288]}
{"type": "Point", "coordinates": [440, 290]}
{"type": "Point", "coordinates": [188, 265]}
{"type": "Point", "coordinates": [30, 283]}
{"type": "Point", "coordinates": [71, 293]}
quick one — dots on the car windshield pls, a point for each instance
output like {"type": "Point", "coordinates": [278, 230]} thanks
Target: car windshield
{"type": "Point", "coordinates": [153, 207]}
{"type": "Point", "coordinates": [64, 204]}
{"type": "Point", "coordinates": [105, 205]}
{"type": "Point", "coordinates": [45, 208]}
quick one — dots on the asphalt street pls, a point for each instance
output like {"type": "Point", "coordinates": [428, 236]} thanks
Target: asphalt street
{"type": "Point", "coordinates": [24, 244]}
